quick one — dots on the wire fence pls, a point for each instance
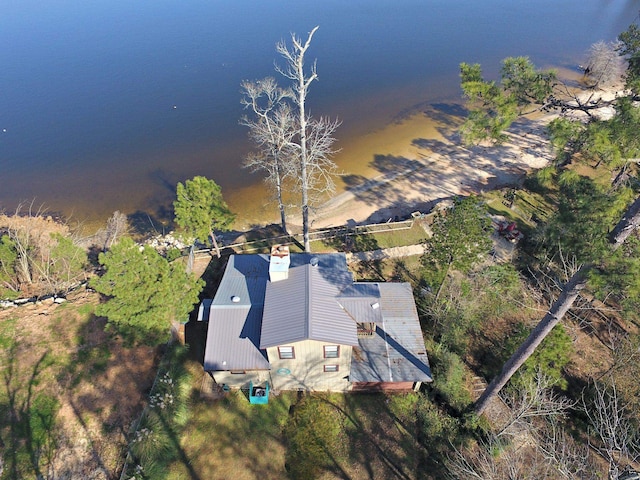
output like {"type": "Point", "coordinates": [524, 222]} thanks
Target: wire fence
{"type": "Point", "coordinates": [321, 235]}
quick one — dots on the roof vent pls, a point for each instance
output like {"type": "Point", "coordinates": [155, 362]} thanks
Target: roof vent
{"type": "Point", "coordinates": [375, 305]}
{"type": "Point", "coordinates": [314, 261]}
{"type": "Point", "coordinates": [235, 299]}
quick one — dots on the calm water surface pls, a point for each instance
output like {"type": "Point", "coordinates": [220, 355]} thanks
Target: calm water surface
{"type": "Point", "coordinates": [105, 105]}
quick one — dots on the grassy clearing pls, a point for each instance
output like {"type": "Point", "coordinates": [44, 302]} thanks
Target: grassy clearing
{"type": "Point", "coordinates": [526, 208]}
{"type": "Point", "coordinates": [398, 238]}
{"type": "Point", "coordinates": [314, 436]}
{"type": "Point", "coordinates": [232, 439]}
{"type": "Point", "coordinates": [68, 392]}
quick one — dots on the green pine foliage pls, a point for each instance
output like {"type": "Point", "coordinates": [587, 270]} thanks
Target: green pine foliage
{"type": "Point", "coordinates": [145, 292]}
{"type": "Point", "coordinates": [630, 48]}
{"type": "Point", "coordinates": [461, 238]}
{"type": "Point", "coordinates": [524, 84]}
{"type": "Point", "coordinates": [618, 274]}
{"type": "Point", "coordinates": [199, 208]}
{"type": "Point", "coordinates": [566, 138]}
{"type": "Point", "coordinates": [491, 111]}
{"type": "Point", "coordinates": [494, 107]}
{"type": "Point", "coordinates": [586, 213]}
{"type": "Point", "coordinates": [600, 142]}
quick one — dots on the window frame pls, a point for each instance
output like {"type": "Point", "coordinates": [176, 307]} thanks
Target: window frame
{"type": "Point", "coordinates": [324, 350]}
{"type": "Point", "coordinates": [331, 368]}
{"type": "Point", "coordinates": [287, 357]}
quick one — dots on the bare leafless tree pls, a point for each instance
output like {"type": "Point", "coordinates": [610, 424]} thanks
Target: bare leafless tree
{"type": "Point", "coordinates": [117, 226]}
{"type": "Point", "coordinates": [22, 235]}
{"type": "Point", "coordinates": [272, 130]}
{"type": "Point", "coordinates": [604, 66]}
{"type": "Point", "coordinates": [46, 255]}
{"type": "Point", "coordinates": [534, 400]}
{"type": "Point", "coordinates": [619, 440]}
{"type": "Point", "coordinates": [531, 444]}
{"type": "Point", "coordinates": [500, 459]}
{"type": "Point", "coordinates": [571, 460]}
{"type": "Point", "coordinates": [313, 143]}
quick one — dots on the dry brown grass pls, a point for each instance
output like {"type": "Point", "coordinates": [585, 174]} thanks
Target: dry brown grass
{"type": "Point", "coordinates": [62, 352]}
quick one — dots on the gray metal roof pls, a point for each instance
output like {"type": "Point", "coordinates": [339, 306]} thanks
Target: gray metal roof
{"type": "Point", "coordinates": [305, 305]}
{"type": "Point", "coordinates": [396, 352]}
{"type": "Point", "coordinates": [318, 302]}
{"type": "Point", "coordinates": [233, 334]}
{"type": "Point", "coordinates": [362, 302]}
{"type": "Point", "coordinates": [232, 340]}
{"type": "Point", "coordinates": [245, 278]}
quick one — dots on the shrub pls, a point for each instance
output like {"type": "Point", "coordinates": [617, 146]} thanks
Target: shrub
{"type": "Point", "coordinates": [151, 446]}
{"type": "Point", "coordinates": [551, 356]}
{"type": "Point", "coordinates": [449, 374]}
{"type": "Point", "coordinates": [313, 430]}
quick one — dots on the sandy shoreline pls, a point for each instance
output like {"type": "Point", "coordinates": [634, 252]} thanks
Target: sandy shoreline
{"type": "Point", "coordinates": [419, 161]}
{"type": "Point", "coordinates": [425, 163]}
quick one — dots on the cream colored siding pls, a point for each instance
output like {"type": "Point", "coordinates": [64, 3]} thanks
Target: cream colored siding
{"type": "Point", "coordinates": [306, 370]}
{"type": "Point", "coordinates": [240, 380]}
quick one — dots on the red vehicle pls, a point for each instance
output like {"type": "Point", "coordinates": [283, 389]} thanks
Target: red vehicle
{"type": "Point", "coordinates": [509, 231]}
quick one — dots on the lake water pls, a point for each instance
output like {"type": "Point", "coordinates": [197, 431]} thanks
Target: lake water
{"type": "Point", "coordinates": [105, 105]}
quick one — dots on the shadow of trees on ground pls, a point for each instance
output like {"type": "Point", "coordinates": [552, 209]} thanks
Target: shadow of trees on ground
{"type": "Point", "coordinates": [29, 430]}
{"type": "Point", "coordinates": [443, 168]}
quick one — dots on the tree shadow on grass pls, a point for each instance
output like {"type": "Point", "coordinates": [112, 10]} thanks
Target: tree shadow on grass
{"type": "Point", "coordinates": [33, 431]}
{"type": "Point", "coordinates": [119, 378]}
{"type": "Point", "coordinates": [371, 443]}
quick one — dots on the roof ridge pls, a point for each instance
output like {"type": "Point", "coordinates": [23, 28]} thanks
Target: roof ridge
{"type": "Point", "coordinates": [308, 306]}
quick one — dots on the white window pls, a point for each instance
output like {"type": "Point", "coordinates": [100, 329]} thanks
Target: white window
{"type": "Point", "coordinates": [331, 351]}
{"type": "Point", "coordinates": [286, 353]}
{"type": "Point", "coordinates": [331, 368]}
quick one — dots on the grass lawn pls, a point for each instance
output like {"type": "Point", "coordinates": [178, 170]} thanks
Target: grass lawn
{"type": "Point", "coordinates": [412, 236]}
{"type": "Point", "coordinates": [326, 436]}
{"type": "Point", "coordinates": [231, 439]}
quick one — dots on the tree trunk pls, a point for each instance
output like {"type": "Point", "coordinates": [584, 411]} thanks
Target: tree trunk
{"type": "Point", "coordinates": [283, 216]}
{"type": "Point", "coordinates": [302, 93]}
{"type": "Point", "coordinates": [215, 243]}
{"type": "Point", "coordinates": [629, 222]}
{"type": "Point", "coordinates": [569, 294]}
{"type": "Point", "coordinates": [301, 89]}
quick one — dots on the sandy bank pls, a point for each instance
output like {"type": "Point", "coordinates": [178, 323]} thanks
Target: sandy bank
{"type": "Point", "coordinates": [418, 160]}
{"type": "Point", "coordinates": [424, 163]}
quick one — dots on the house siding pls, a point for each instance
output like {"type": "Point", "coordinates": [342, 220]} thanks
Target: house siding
{"type": "Point", "coordinates": [307, 368]}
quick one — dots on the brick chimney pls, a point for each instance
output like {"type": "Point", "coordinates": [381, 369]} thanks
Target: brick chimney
{"type": "Point", "coordinates": [279, 263]}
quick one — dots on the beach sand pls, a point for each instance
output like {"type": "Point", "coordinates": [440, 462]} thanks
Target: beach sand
{"type": "Point", "coordinates": [419, 160]}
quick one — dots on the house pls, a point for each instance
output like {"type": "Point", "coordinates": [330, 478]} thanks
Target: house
{"type": "Point", "coordinates": [300, 322]}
